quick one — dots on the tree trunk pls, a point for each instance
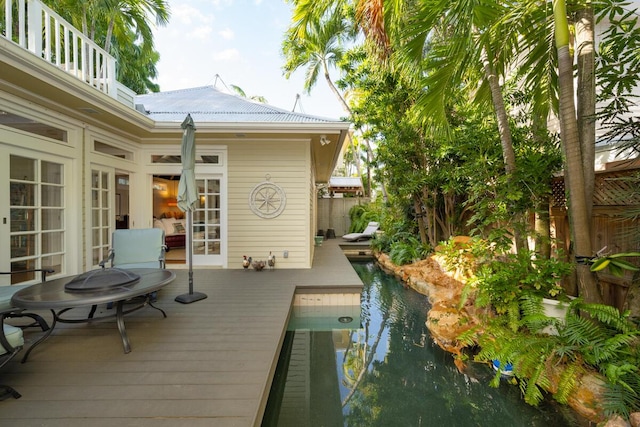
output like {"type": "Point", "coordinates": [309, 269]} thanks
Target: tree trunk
{"type": "Point", "coordinates": [542, 230]}
{"type": "Point", "coordinates": [335, 91]}
{"type": "Point", "coordinates": [574, 178]}
{"type": "Point", "coordinates": [508, 154]}
{"type": "Point", "coordinates": [107, 39]}
{"type": "Point", "coordinates": [542, 220]}
{"type": "Point", "coordinates": [504, 130]}
{"type": "Point", "coordinates": [632, 301]}
{"type": "Point", "coordinates": [586, 98]}
{"type": "Point", "coordinates": [420, 214]}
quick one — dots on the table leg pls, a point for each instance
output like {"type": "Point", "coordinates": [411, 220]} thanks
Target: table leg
{"type": "Point", "coordinates": [43, 337]}
{"type": "Point", "coordinates": [121, 328]}
{"type": "Point", "coordinates": [157, 308]}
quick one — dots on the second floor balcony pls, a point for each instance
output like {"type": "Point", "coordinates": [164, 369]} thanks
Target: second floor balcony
{"type": "Point", "coordinates": [35, 27]}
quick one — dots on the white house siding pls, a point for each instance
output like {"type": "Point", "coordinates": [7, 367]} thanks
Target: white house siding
{"type": "Point", "coordinates": [313, 212]}
{"type": "Point", "coordinates": [287, 164]}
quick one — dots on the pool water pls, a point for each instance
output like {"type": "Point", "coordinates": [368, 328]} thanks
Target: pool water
{"type": "Point", "coordinates": [384, 370]}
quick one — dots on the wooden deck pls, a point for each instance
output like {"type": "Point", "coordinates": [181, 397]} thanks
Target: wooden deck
{"type": "Point", "coordinates": [210, 363]}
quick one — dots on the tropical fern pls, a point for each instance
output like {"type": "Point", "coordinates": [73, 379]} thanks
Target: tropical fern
{"type": "Point", "coordinates": [568, 381]}
{"type": "Point", "coordinates": [591, 338]}
{"type": "Point", "coordinates": [406, 248]}
{"type": "Point", "coordinates": [360, 216]}
{"type": "Point", "coordinates": [532, 312]}
{"type": "Point", "coordinates": [609, 315]}
{"type": "Point", "coordinates": [532, 356]}
{"type": "Point", "coordinates": [607, 341]}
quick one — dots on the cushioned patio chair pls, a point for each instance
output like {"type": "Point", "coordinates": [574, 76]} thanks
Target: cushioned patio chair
{"type": "Point", "coordinates": [368, 233]}
{"type": "Point", "coordinates": [11, 337]}
{"type": "Point", "coordinates": [137, 248]}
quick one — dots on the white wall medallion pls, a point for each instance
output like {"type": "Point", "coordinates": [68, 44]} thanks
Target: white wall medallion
{"type": "Point", "coordinates": [267, 200]}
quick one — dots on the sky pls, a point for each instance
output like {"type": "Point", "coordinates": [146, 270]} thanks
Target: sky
{"type": "Point", "coordinates": [239, 40]}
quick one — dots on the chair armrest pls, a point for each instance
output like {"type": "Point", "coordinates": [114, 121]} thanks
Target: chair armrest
{"type": "Point", "coordinates": [162, 259]}
{"type": "Point", "coordinates": [43, 272]}
{"type": "Point", "coordinates": [4, 342]}
{"type": "Point", "coordinates": [107, 259]}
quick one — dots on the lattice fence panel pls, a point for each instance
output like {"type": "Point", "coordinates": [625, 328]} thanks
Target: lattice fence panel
{"type": "Point", "coordinates": [558, 197]}
{"type": "Point", "coordinates": [614, 188]}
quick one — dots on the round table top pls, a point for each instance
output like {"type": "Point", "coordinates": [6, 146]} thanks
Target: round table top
{"type": "Point", "coordinates": [53, 295]}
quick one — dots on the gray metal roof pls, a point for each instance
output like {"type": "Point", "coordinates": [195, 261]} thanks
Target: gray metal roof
{"type": "Point", "coordinates": [344, 181]}
{"type": "Point", "coordinates": [207, 104]}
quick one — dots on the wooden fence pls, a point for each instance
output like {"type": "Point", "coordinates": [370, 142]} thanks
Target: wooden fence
{"type": "Point", "coordinates": [615, 194]}
{"type": "Point", "coordinates": [333, 213]}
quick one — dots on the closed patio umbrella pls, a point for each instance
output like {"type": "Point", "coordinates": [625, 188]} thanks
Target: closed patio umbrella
{"type": "Point", "coordinates": [187, 198]}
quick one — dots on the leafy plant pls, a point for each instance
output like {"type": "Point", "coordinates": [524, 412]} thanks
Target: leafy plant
{"type": "Point", "coordinates": [361, 215]}
{"type": "Point", "coordinates": [407, 249]}
{"type": "Point", "coordinates": [505, 280]}
{"type": "Point", "coordinates": [604, 340]}
{"type": "Point", "coordinates": [615, 263]}
{"type": "Point", "coordinates": [465, 257]}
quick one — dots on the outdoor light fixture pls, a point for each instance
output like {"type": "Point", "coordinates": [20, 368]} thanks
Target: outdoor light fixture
{"type": "Point", "coordinates": [323, 140]}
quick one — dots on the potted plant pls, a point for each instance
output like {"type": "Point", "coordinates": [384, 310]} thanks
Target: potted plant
{"type": "Point", "coordinates": [503, 282]}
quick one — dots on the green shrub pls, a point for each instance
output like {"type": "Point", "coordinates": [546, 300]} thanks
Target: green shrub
{"type": "Point", "coordinates": [593, 337]}
{"type": "Point", "coordinates": [502, 282]}
{"type": "Point", "coordinates": [361, 216]}
{"type": "Point", "coordinates": [406, 249]}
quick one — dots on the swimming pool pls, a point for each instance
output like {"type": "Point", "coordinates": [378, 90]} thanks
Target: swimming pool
{"type": "Point", "coordinates": [383, 369]}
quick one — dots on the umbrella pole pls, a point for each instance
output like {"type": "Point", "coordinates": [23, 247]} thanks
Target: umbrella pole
{"type": "Point", "coordinates": [191, 296]}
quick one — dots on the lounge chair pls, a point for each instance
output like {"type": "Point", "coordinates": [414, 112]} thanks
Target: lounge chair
{"type": "Point", "coordinates": [365, 235]}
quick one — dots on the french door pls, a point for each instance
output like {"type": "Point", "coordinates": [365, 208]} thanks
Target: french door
{"type": "Point", "coordinates": [36, 190]}
{"type": "Point", "coordinates": [102, 180]}
{"type": "Point", "coordinates": [207, 222]}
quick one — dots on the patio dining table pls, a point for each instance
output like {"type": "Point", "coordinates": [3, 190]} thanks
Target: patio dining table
{"type": "Point", "coordinates": [60, 296]}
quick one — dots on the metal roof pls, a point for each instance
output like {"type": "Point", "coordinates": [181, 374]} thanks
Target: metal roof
{"type": "Point", "coordinates": [207, 104]}
{"type": "Point", "coordinates": [345, 181]}
{"type": "Point", "coordinates": [343, 184]}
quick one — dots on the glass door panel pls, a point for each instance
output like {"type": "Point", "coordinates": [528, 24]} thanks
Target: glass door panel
{"type": "Point", "coordinates": [101, 214]}
{"type": "Point", "coordinates": [207, 232]}
{"type": "Point", "coordinates": [36, 207]}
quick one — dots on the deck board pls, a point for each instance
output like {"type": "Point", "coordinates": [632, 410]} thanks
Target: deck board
{"type": "Point", "coordinates": [209, 363]}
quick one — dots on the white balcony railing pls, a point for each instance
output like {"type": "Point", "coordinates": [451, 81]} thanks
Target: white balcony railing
{"type": "Point", "coordinates": [37, 28]}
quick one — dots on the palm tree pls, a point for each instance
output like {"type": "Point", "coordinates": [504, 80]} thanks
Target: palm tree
{"type": "Point", "coordinates": [319, 50]}
{"type": "Point", "coordinates": [316, 41]}
{"type": "Point", "coordinates": [574, 172]}
{"type": "Point", "coordinates": [516, 34]}
{"type": "Point", "coordinates": [462, 47]}
{"type": "Point", "coordinates": [586, 96]}
{"type": "Point", "coordinates": [123, 15]}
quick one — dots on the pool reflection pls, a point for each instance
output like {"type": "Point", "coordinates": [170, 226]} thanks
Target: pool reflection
{"type": "Point", "coordinates": [388, 372]}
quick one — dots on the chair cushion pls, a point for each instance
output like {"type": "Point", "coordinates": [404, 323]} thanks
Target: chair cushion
{"type": "Point", "coordinates": [152, 264]}
{"type": "Point", "coordinates": [14, 336]}
{"type": "Point", "coordinates": [6, 292]}
{"type": "Point", "coordinates": [137, 246]}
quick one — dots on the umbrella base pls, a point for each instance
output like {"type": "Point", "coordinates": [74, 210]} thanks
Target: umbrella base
{"type": "Point", "coordinates": [189, 298]}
